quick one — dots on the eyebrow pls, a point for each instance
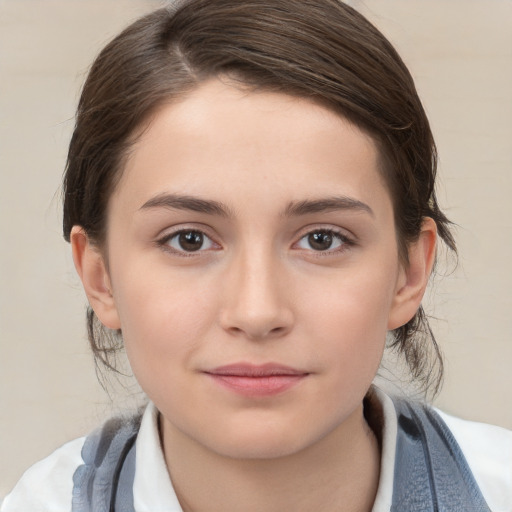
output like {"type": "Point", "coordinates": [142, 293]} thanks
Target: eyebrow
{"type": "Point", "coordinates": [327, 204]}
{"type": "Point", "coordinates": [184, 202]}
{"type": "Point", "coordinates": [294, 209]}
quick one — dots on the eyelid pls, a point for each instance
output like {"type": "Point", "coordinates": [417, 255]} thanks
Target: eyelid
{"type": "Point", "coordinates": [162, 240]}
{"type": "Point", "coordinates": [348, 240]}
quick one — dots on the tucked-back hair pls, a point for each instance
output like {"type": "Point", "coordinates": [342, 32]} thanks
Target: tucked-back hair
{"type": "Point", "coordinates": [322, 50]}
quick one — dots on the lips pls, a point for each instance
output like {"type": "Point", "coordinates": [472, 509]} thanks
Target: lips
{"type": "Point", "coordinates": [257, 380]}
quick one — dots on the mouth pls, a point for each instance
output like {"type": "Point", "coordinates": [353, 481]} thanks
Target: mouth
{"type": "Point", "coordinates": [257, 380]}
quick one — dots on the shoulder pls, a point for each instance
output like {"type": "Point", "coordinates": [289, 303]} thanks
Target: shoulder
{"type": "Point", "coordinates": [488, 451]}
{"type": "Point", "coordinates": [48, 484]}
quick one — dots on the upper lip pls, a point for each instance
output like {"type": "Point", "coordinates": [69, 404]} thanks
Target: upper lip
{"type": "Point", "coordinates": [255, 370]}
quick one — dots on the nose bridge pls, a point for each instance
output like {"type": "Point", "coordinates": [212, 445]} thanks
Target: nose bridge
{"type": "Point", "coordinates": [256, 302]}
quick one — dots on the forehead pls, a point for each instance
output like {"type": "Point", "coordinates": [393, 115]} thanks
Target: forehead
{"type": "Point", "coordinates": [265, 146]}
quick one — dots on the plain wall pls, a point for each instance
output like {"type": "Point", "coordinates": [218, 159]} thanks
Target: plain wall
{"type": "Point", "coordinates": [460, 53]}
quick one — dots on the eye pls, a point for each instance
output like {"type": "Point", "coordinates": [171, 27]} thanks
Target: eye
{"type": "Point", "coordinates": [322, 240]}
{"type": "Point", "coordinates": [189, 241]}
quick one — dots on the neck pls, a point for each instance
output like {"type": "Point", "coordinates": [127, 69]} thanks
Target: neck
{"type": "Point", "coordinates": [339, 472]}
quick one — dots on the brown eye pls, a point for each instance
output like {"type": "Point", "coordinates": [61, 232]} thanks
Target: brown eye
{"type": "Point", "coordinates": [322, 240]}
{"type": "Point", "coordinates": [189, 241]}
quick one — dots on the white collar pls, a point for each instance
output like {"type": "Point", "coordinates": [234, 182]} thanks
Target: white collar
{"type": "Point", "coordinates": [152, 487]}
{"type": "Point", "coordinates": [389, 430]}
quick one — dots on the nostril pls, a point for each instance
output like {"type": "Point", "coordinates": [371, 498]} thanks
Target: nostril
{"type": "Point", "coordinates": [257, 333]}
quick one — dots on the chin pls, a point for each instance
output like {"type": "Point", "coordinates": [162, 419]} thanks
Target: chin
{"type": "Point", "coordinates": [259, 448]}
{"type": "Point", "coordinates": [260, 441]}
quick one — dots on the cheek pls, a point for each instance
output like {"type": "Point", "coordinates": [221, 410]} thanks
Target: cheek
{"type": "Point", "coordinates": [163, 317]}
{"type": "Point", "coordinates": [349, 317]}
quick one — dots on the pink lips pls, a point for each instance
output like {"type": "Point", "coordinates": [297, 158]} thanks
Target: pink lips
{"type": "Point", "coordinates": [257, 380]}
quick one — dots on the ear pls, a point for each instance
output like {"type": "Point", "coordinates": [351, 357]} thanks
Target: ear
{"type": "Point", "coordinates": [413, 278]}
{"type": "Point", "coordinates": [91, 268]}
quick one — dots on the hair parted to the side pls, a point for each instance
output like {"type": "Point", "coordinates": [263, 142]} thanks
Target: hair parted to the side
{"type": "Point", "coordinates": [322, 50]}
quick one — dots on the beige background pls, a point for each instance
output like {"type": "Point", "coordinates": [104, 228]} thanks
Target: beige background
{"type": "Point", "coordinates": [460, 52]}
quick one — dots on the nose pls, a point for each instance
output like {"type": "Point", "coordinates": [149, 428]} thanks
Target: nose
{"type": "Point", "coordinates": [256, 302]}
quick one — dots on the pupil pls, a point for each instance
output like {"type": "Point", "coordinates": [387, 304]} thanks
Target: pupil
{"type": "Point", "coordinates": [191, 240]}
{"type": "Point", "coordinates": [320, 241]}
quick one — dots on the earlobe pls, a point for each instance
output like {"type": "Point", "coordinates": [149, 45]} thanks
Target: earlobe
{"type": "Point", "coordinates": [91, 268]}
{"type": "Point", "coordinates": [413, 279]}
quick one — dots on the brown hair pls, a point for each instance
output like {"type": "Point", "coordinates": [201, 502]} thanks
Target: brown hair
{"type": "Point", "coordinates": [318, 49]}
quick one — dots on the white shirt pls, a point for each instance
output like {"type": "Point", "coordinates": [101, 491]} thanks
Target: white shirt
{"type": "Point", "coordinates": [47, 486]}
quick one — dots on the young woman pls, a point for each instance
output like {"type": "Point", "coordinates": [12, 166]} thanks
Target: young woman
{"type": "Point", "coordinates": [249, 198]}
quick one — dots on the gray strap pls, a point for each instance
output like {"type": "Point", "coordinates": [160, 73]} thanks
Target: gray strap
{"type": "Point", "coordinates": [104, 483]}
{"type": "Point", "coordinates": [431, 472]}
{"type": "Point", "coordinates": [122, 500]}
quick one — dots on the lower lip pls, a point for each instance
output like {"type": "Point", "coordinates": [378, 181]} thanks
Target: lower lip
{"type": "Point", "coordinates": [258, 386]}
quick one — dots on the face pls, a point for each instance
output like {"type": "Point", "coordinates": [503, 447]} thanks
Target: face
{"type": "Point", "coordinates": [254, 269]}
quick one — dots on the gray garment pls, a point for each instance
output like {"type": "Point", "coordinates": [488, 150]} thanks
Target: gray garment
{"type": "Point", "coordinates": [431, 472]}
{"type": "Point", "coordinates": [104, 483]}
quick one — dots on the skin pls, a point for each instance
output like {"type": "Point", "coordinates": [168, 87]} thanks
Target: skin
{"type": "Point", "coordinates": [256, 291]}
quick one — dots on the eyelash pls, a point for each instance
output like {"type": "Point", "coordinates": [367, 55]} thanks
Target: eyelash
{"type": "Point", "coordinates": [165, 242]}
{"type": "Point", "coordinates": [344, 242]}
